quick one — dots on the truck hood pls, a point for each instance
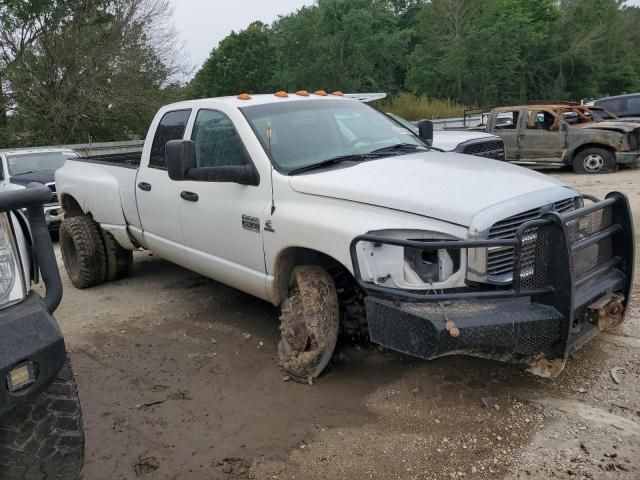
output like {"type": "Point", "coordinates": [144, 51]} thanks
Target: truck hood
{"type": "Point", "coordinates": [613, 125]}
{"type": "Point", "coordinates": [450, 139]}
{"type": "Point", "coordinates": [26, 178]}
{"type": "Point", "coordinates": [445, 186]}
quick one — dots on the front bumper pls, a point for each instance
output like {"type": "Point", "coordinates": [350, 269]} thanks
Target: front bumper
{"type": "Point", "coordinates": [627, 158]}
{"type": "Point", "coordinates": [572, 279]}
{"type": "Point", "coordinates": [28, 332]}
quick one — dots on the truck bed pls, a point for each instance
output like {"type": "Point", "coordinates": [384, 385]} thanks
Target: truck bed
{"type": "Point", "coordinates": [127, 160]}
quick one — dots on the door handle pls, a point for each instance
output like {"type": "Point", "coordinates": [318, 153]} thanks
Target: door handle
{"type": "Point", "coordinates": [144, 186]}
{"type": "Point", "coordinates": [189, 196]}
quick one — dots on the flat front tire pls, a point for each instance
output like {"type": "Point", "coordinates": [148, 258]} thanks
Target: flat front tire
{"type": "Point", "coordinates": [309, 323]}
{"type": "Point", "coordinates": [594, 160]}
{"type": "Point", "coordinates": [44, 438]}
{"type": "Point", "coordinates": [83, 251]}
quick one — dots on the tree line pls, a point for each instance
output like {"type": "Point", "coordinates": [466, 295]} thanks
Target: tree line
{"type": "Point", "coordinates": [472, 52]}
{"type": "Point", "coordinates": [84, 70]}
{"type": "Point", "coordinates": [81, 70]}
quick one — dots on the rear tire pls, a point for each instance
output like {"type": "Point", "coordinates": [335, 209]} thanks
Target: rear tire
{"type": "Point", "coordinates": [83, 251]}
{"type": "Point", "coordinates": [594, 160]}
{"type": "Point", "coordinates": [119, 260]}
{"type": "Point", "coordinates": [44, 438]}
{"type": "Point", "coordinates": [309, 323]}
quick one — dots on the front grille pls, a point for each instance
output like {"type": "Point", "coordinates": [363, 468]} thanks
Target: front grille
{"type": "Point", "coordinates": [500, 259]}
{"type": "Point", "coordinates": [493, 149]}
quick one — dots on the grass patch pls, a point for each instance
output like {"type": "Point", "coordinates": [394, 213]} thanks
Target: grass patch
{"type": "Point", "coordinates": [414, 107]}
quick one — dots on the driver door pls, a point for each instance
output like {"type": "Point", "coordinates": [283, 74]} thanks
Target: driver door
{"type": "Point", "coordinates": [222, 223]}
{"type": "Point", "coordinates": [543, 138]}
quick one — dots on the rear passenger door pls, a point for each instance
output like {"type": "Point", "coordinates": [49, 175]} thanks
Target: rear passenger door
{"type": "Point", "coordinates": [157, 196]}
{"type": "Point", "coordinates": [505, 124]}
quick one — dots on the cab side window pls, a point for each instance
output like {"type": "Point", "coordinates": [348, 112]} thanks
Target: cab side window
{"type": "Point", "coordinates": [541, 120]}
{"type": "Point", "coordinates": [171, 127]}
{"type": "Point", "coordinates": [507, 120]}
{"type": "Point", "coordinates": [217, 141]}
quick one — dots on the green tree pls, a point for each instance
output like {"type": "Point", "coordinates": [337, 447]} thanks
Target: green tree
{"type": "Point", "coordinates": [350, 45]}
{"type": "Point", "coordinates": [242, 62]}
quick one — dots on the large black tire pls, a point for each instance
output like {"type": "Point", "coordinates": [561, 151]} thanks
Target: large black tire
{"type": "Point", "coordinates": [83, 251]}
{"type": "Point", "coordinates": [119, 260]}
{"type": "Point", "coordinates": [44, 439]}
{"type": "Point", "coordinates": [595, 160]}
{"type": "Point", "coordinates": [309, 323]}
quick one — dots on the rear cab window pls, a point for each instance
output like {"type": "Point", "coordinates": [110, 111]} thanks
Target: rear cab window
{"type": "Point", "coordinates": [171, 127]}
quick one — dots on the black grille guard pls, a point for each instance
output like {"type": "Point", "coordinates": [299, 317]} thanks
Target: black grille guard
{"type": "Point", "coordinates": [565, 260]}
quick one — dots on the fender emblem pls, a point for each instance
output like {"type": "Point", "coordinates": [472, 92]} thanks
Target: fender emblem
{"type": "Point", "coordinates": [251, 223]}
{"type": "Point", "coordinates": [268, 227]}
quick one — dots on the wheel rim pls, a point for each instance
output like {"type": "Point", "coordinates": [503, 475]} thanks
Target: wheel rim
{"type": "Point", "coordinates": [70, 256]}
{"type": "Point", "coordinates": [593, 162]}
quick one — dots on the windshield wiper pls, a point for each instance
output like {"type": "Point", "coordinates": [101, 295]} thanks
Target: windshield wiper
{"type": "Point", "coordinates": [400, 147]}
{"type": "Point", "coordinates": [360, 157]}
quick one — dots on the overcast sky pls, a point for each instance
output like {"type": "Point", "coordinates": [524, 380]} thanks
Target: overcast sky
{"type": "Point", "coordinates": [203, 23]}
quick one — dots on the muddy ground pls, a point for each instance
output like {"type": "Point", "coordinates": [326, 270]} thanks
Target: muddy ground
{"type": "Point", "coordinates": [178, 381]}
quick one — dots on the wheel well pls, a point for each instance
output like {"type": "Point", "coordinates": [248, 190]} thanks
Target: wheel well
{"type": "Point", "coordinates": [294, 256]}
{"type": "Point", "coordinates": [586, 146]}
{"type": "Point", "coordinates": [70, 206]}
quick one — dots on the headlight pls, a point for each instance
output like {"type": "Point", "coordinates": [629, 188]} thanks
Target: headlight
{"type": "Point", "coordinates": [11, 283]}
{"type": "Point", "coordinates": [412, 268]}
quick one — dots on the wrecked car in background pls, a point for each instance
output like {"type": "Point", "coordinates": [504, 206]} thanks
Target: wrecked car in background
{"type": "Point", "coordinates": [565, 135]}
{"type": "Point", "coordinates": [326, 207]}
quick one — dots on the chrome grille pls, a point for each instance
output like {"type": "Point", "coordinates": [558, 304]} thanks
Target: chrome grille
{"type": "Point", "coordinates": [500, 259]}
{"type": "Point", "coordinates": [54, 196]}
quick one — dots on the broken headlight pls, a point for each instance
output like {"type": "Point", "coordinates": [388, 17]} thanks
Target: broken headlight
{"type": "Point", "coordinates": [433, 265]}
{"type": "Point", "coordinates": [11, 282]}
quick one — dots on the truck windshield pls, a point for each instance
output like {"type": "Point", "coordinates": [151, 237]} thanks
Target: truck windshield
{"type": "Point", "coordinates": [299, 134]}
{"type": "Point", "coordinates": [37, 162]}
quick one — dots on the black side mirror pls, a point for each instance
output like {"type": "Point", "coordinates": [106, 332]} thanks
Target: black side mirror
{"type": "Point", "coordinates": [181, 157]}
{"type": "Point", "coordinates": [425, 131]}
{"type": "Point", "coordinates": [182, 165]}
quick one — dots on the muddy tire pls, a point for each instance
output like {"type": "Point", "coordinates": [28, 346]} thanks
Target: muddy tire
{"type": "Point", "coordinates": [119, 260]}
{"type": "Point", "coordinates": [309, 323]}
{"type": "Point", "coordinates": [83, 251]}
{"type": "Point", "coordinates": [595, 160]}
{"type": "Point", "coordinates": [44, 439]}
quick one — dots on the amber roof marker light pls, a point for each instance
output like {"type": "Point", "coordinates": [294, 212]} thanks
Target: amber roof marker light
{"type": "Point", "coordinates": [321, 93]}
{"type": "Point", "coordinates": [244, 96]}
{"type": "Point", "coordinates": [338, 94]}
{"type": "Point", "coordinates": [281, 94]}
{"type": "Point", "coordinates": [302, 93]}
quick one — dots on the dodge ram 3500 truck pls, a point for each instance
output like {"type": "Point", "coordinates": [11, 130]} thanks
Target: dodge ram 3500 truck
{"type": "Point", "coordinates": [41, 436]}
{"type": "Point", "coordinates": [351, 224]}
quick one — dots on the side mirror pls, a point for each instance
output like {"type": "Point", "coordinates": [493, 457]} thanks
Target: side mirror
{"type": "Point", "coordinates": [182, 165]}
{"type": "Point", "coordinates": [425, 131]}
{"type": "Point", "coordinates": [181, 157]}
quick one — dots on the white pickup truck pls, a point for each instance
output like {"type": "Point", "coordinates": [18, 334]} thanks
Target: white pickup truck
{"type": "Point", "coordinates": [351, 224]}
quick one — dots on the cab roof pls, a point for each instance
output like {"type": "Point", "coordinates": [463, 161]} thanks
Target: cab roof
{"type": "Point", "coordinates": [262, 99]}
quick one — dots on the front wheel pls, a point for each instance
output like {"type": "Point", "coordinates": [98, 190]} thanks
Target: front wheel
{"type": "Point", "coordinates": [44, 438]}
{"type": "Point", "coordinates": [309, 323]}
{"type": "Point", "coordinates": [594, 160]}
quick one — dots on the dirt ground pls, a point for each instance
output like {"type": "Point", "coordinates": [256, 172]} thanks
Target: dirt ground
{"type": "Point", "coordinates": [178, 381]}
